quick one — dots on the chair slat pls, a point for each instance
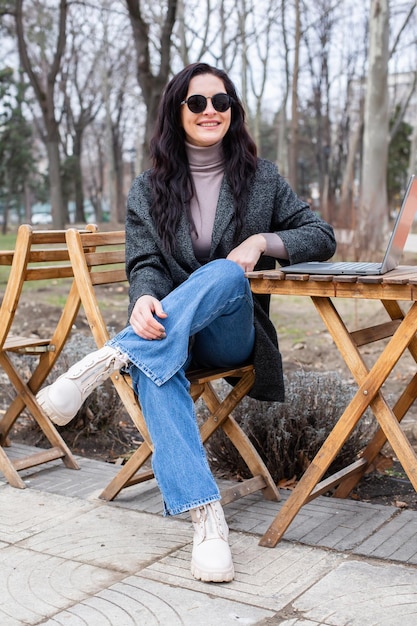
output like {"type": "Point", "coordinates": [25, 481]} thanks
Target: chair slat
{"type": "Point", "coordinates": [108, 277]}
{"type": "Point", "coordinates": [48, 254]}
{"type": "Point", "coordinates": [107, 257]}
{"type": "Point", "coordinates": [49, 273]}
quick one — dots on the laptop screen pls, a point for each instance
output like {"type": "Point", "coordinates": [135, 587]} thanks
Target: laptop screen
{"type": "Point", "coordinates": [402, 227]}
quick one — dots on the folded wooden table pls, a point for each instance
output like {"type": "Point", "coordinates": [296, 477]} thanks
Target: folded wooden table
{"type": "Point", "coordinates": [399, 285]}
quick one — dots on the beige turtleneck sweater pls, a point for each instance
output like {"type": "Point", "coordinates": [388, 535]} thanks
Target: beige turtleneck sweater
{"type": "Point", "coordinates": [207, 170]}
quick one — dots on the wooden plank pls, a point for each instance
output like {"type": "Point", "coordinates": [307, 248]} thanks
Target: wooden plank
{"type": "Point", "coordinates": [340, 289]}
{"type": "Point", "coordinates": [297, 277]}
{"type": "Point", "coordinates": [332, 481]}
{"type": "Point", "coordinates": [17, 342]}
{"type": "Point", "coordinates": [244, 488]}
{"type": "Point", "coordinates": [105, 257]}
{"type": "Point", "coordinates": [6, 257]}
{"type": "Point", "coordinates": [322, 278]}
{"type": "Point", "coordinates": [47, 237]}
{"type": "Point", "coordinates": [345, 279]}
{"type": "Point", "coordinates": [140, 477]}
{"type": "Point", "coordinates": [116, 237]}
{"type": "Point", "coordinates": [49, 273]}
{"type": "Point", "coordinates": [51, 454]}
{"type": "Point", "coordinates": [371, 280]}
{"type": "Point", "coordinates": [107, 277]}
{"type": "Point", "coordinates": [49, 254]}
{"type": "Point", "coordinates": [375, 333]}
{"type": "Point", "coordinates": [201, 376]}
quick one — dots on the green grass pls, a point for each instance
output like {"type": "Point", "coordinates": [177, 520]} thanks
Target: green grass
{"type": "Point", "coordinates": [7, 242]}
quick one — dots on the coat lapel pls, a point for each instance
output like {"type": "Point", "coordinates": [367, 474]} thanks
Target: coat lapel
{"type": "Point", "coordinates": [185, 251]}
{"type": "Point", "coordinates": [224, 215]}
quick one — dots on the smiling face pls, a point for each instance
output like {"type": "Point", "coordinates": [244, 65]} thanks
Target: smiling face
{"type": "Point", "coordinates": [206, 128]}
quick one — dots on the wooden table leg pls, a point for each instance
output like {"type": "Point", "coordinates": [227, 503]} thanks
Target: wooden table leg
{"type": "Point", "coordinates": [372, 381]}
{"type": "Point", "coordinates": [367, 394]}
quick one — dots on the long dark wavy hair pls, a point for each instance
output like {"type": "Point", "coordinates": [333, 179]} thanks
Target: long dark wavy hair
{"type": "Point", "coordinates": [170, 176]}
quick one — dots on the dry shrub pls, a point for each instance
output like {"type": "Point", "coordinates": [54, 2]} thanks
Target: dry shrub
{"type": "Point", "coordinates": [288, 435]}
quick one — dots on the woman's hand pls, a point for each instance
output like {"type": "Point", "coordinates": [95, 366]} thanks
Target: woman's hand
{"type": "Point", "coordinates": [143, 321]}
{"type": "Point", "coordinates": [248, 252]}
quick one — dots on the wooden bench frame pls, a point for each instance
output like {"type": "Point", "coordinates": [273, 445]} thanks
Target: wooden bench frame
{"type": "Point", "coordinates": [99, 259]}
{"type": "Point", "coordinates": [38, 256]}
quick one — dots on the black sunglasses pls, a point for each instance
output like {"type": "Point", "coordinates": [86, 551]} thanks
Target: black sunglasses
{"type": "Point", "coordinates": [197, 104]}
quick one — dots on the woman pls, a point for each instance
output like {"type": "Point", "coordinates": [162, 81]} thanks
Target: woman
{"type": "Point", "coordinates": [207, 211]}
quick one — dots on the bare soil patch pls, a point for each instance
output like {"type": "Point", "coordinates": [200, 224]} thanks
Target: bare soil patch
{"type": "Point", "coordinates": [305, 345]}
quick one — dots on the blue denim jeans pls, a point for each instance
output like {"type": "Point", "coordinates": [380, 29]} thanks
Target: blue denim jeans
{"type": "Point", "coordinates": [214, 307]}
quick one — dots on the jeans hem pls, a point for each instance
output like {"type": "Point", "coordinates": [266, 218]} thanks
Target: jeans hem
{"type": "Point", "coordinates": [148, 372]}
{"type": "Point", "coordinates": [192, 505]}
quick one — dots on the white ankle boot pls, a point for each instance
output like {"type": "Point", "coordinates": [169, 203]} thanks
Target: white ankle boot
{"type": "Point", "coordinates": [211, 559]}
{"type": "Point", "coordinates": [62, 400]}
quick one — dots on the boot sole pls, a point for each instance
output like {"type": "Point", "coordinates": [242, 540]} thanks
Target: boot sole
{"type": "Point", "coordinates": [48, 409]}
{"type": "Point", "coordinates": [212, 577]}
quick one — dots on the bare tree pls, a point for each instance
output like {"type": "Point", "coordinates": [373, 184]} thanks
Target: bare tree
{"type": "Point", "coordinates": [195, 37]}
{"type": "Point", "coordinates": [293, 146]}
{"type": "Point", "coordinates": [282, 121]}
{"type": "Point", "coordinates": [43, 73]}
{"type": "Point", "coordinates": [373, 214]}
{"type": "Point", "coordinates": [82, 96]}
{"type": "Point", "coordinates": [151, 81]}
{"type": "Point", "coordinates": [318, 54]}
{"type": "Point", "coordinates": [261, 32]}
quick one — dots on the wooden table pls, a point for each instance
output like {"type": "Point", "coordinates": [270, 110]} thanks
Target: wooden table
{"type": "Point", "coordinates": [400, 331]}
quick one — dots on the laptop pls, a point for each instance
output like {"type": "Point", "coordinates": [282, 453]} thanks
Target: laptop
{"type": "Point", "coordinates": [393, 253]}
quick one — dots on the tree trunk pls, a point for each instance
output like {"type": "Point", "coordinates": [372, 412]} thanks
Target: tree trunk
{"type": "Point", "coordinates": [78, 178]}
{"type": "Point", "coordinates": [373, 209]}
{"type": "Point", "coordinates": [293, 146]}
{"type": "Point", "coordinates": [45, 97]}
{"type": "Point", "coordinates": [55, 186]}
{"type": "Point", "coordinates": [282, 121]}
{"type": "Point", "coordinates": [151, 84]}
{"type": "Point", "coordinates": [346, 214]}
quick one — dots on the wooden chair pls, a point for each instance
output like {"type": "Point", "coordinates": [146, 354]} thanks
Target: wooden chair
{"type": "Point", "coordinates": [38, 256]}
{"type": "Point", "coordinates": [99, 259]}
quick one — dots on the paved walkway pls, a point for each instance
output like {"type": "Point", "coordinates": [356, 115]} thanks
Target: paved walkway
{"type": "Point", "coordinates": [68, 558]}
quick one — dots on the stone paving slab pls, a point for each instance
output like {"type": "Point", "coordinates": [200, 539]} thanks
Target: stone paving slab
{"type": "Point", "coordinates": [327, 522]}
{"type": "Point", "coordinates": [122, 540]}
{"type": "Point", "coordinates": [26, 512]}
{"type": "Point", "coordinates": [395, 541]}
{"type": "Point", "coordinates": [34, 586]}
{"type": "Point", "coordinates": [137, 601]}
{"type": "Point", "coordinates": [363, 594]}
{"type": "Point", "coordinates": [269, 579]}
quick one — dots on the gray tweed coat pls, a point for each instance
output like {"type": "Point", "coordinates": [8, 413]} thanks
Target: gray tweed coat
{"type": "Point", "coordinates": [272, 207]}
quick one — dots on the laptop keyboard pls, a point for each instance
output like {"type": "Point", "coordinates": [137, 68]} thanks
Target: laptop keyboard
{"type": "Point", "coordinates": [357, 266]}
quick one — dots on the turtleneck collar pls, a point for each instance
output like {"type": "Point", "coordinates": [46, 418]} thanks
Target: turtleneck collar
{"type": "Point", "coordinates": [204, 157]}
